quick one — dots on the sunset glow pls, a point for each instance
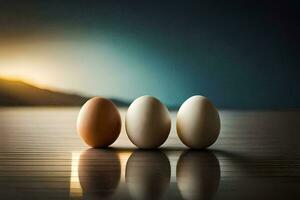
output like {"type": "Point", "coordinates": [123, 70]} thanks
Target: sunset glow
{"type": "Point", "coordinates": [27, 66]}
{"type": "Point", "coordinates": [25, 80]}
{"type": "Point", "coordinates": [41, 64]}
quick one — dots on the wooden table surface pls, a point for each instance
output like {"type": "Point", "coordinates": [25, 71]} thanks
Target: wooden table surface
{"type": "Point", "coordinates": [257, 156]}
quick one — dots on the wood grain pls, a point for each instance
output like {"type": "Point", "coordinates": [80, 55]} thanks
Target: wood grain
{"type": "Point", "coordinates": [257, 156]}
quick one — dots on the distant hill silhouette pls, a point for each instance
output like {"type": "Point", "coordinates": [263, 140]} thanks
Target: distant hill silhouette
{"type": "Point", "coordinates": [18, 93]}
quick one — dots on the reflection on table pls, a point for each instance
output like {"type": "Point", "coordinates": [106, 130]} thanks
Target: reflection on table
{"type": "Point", "coordinates": [139, 174]}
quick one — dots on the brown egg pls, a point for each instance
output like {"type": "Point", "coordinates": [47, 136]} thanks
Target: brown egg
{"type": "Point", "coordinates": [99, 122]}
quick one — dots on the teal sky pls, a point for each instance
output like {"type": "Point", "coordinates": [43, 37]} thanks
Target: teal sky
{"type": "Point", "coordinates": [240, 55]}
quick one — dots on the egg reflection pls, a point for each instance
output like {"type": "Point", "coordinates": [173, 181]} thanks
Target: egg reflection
{"type": "Point", "coordinates": [198, 175]}
{"type": "Point", "coordinates": [148, 174]}
{"type": "Point", "coordinates": [99, 173]}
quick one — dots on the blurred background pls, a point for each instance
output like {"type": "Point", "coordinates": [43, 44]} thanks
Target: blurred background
{"type": "Point", "coordinates": [240, 54]}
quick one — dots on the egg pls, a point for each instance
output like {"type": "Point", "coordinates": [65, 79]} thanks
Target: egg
{"type": "Point", "coordinates": [99, 122]}
{"type": "Point", "coordinates": [147, 122]}
{"type": "Point", "coordinates": [198, 122]}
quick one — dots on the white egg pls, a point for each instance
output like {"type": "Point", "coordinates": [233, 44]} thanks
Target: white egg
{"type": "Point", "coordinates": [147, 122]}
{"type": "Point", "coordinates": [198, 122]}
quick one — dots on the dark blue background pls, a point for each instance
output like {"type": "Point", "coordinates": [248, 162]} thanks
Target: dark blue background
{"type": "Point", "coordinates": [241, 54]}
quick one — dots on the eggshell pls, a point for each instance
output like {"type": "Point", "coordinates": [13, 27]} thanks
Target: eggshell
{"type": "Point", "coordinates": [198, 122]}
{"type": "Point", "coordinates": [99, 122]}
{"type": "Point", "coordinates": [147, 122]}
